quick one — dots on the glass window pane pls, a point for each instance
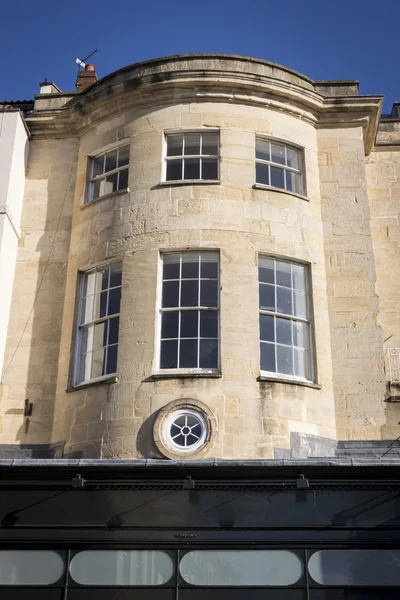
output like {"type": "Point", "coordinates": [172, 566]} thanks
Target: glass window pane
{"type": "Point", "coordinates": [123, 179]}
{"type": "Point", "coordinates": [300, 363]}
{"type": "Point", "coordinates": [208, 324]}
{"type": "Point", "coordinates": [241, 568]}
{"type": "Point", "coordinates": [115, 274]}
{"type": "Point", "coordinates": [174, 170]}
{"type": "Point", "coordinates": [293, 158]}
{"type": "Point", "coordinates": [169, 324]}
{"type": "Point", "coordinates": [110, 184]}
{"type": "Point", "coordinates": [299, 277]}
{"type": "Point", "coordinates": [267, 297]}
{"type": "Point", "coordinates": [174, 145]}
{"type": "Point", "coordinates": [170, 294]}
{"type": "Point", "coordinates": [278, 153]}
{"type": "Point", "coordinates": [100, 305]}
{"type": "Point", "coordinates": [283, 274]}
{"type": "Point", "coordinates": [98, 166]}
{"type": "Point", "coordinates": [111, 160]}
{"type": "Point", "coordinates": [113, 329]}
{"type": "Point", "coordinates": [30, 567]}
{"type": "Point", "coordinates": [85, 367]}
{"type": "Point", "coordinates": [209, 354]}
{"type": "Point", "coordinates": [293, 182]}
{"type": "Point", "coordinates": [104, 188]}
{"type": "Point", "coordinates": [123, 156]}
{"type": "Point", "coordinates": [121, 567]}
{"type": "Point", "coordinates": [169, 354]}
{"type": "Point", "coordinates": [171, 264]}
{"type": "Point", "coordinates": [189, 323]}
{"type": "Point", "coordinates": [284, 300]}
{"type": "Point", "coordinates": [300, 308]}
{"type": "Point", "coordinates": [278, 178]}
{"type": "Point", "coordinates": [209, 265]}
{"type": "Point", "coordinates": [89, 283]}
{"type": "Point", "coordinates": [210, 144]}
{"type": "Point", "coordinates": [114, 301]}
{"type": "Point", "coordinates": [300, 334]}
{"type": "Point", "coordinates": [209, 293]}
{"type": "Point", "coordinates": [262, 174]}
{"type": "Point", "coordinates": [190, 266]}
{"type": "Point", "coordinates": [267, 357]}
{"type": "Point", "coordinates": [112, 352]}
{"type": "Point", "coordinates": [188, 354]}
{"type": "Point", "coordinates": [283, 331]}
{"type": "Point", "coordinates": [98, 358]}
{"type": "Point", "coordinates": [87, 309]}
{"type": "Point", "coordinates": [262, 149]}
{"type": "Point", "coordinates": [209, 169]}
{"type": "Point", "coordinates": [102, 279]}
{"type": "Point", "coordinates": [192, 144]}
{"type": "Point", "coordinates": [266, 270]}
{"type": "Point", "coordinates": [100, 335]}
{"type": "Point", "coordinates": [356, 567]}
{"type": "Point", "coordinates": [192, 168]}
{"type": "Point", "coordinates": [284, 357]}
{"type": "Point", "coordinates": [267, 333]}
{"type": "Point", "coordinates": [96, 190]}
{"type": "Point", "coordinates": [189, 292]}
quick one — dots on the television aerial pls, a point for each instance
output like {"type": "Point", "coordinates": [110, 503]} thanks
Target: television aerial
{"type": "Point", "coordinates": [82, 62]}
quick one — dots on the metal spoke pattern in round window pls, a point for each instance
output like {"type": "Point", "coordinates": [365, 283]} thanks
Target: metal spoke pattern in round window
{"type": "Point", "coordinates": [185, 430]}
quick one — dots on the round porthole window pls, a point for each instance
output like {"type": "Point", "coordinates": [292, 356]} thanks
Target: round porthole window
{"type": "Point", "coordinates": [185, 430]}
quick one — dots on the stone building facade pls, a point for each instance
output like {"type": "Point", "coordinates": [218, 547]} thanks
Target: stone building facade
{"type": "Point", "coordinates": [239, 303]}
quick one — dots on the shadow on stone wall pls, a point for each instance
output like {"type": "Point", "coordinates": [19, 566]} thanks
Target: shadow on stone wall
{"type": "Point", "coordinates": [38, 298]}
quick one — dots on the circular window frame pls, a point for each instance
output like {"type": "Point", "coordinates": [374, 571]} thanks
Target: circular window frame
{"type": "Point", "coordinates": [172, 411]}
{"type": "Point", "coordinates": [171, 419]}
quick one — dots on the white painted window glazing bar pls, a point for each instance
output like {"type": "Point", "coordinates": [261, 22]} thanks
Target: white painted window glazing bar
{"type": "Point", "coordinates": [184, 158]}
{"type": "Point", "coordinates": [102, 176]}
{"type": "Point", "coordinates": [98, 314]}
{"type": "Point", "coordinates": [198, 308]}
{"type": "Point", "coordinates": [296, 349]}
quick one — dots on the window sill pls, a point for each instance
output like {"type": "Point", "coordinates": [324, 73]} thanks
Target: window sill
{"type": "Point", "coordinates": [105, 197]}
{"type": "Point", "coordinates": [260, 186]}
{"type": "Point", "coordinates": [300, 382]}
{"type": "Point", "coordinates": [186, 374]}
{"type": "Point", "coordinates": [99, 381]}
{"type": "Point", "coordinates": [190, 182]}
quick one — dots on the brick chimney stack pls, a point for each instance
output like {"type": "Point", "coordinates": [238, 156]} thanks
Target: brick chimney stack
{"type": "Point", "coordinates": [86, 78]}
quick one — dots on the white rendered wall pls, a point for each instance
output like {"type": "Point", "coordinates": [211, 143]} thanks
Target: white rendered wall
{"type": "Point", "coordinates": [13, 156]}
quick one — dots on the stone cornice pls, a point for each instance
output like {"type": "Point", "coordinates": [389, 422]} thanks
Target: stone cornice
{"type": "Point", "coordinates": [201, 79]}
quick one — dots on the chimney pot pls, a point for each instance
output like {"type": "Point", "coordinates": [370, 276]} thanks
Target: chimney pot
{"type": "Point", "coordinates": [86, 78]}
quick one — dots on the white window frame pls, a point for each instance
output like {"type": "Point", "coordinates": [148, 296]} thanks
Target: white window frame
{"type": "Point", "coordinates": [80, 327]}
{"type": "Point", "coordinates": [183, 132]}
{"type": "Point", "coordinates": [308, 320]}
{"type": "Point", "coordinates": [285, 168]}
{"type": "Point", "coordinates": [92, 180]}
{"type": "Point", "coordinates": [185, 370]}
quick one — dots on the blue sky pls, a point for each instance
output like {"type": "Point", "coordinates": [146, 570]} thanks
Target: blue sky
{"type": "Point", "coordinates": [340, 39]}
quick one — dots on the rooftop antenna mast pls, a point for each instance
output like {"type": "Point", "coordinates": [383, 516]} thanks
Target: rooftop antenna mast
{"type": "Point", "coordinates": [82, 62]}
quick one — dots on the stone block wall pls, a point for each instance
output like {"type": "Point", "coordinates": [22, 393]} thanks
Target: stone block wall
{"type": "Point", "coordinates": [356, 337]}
